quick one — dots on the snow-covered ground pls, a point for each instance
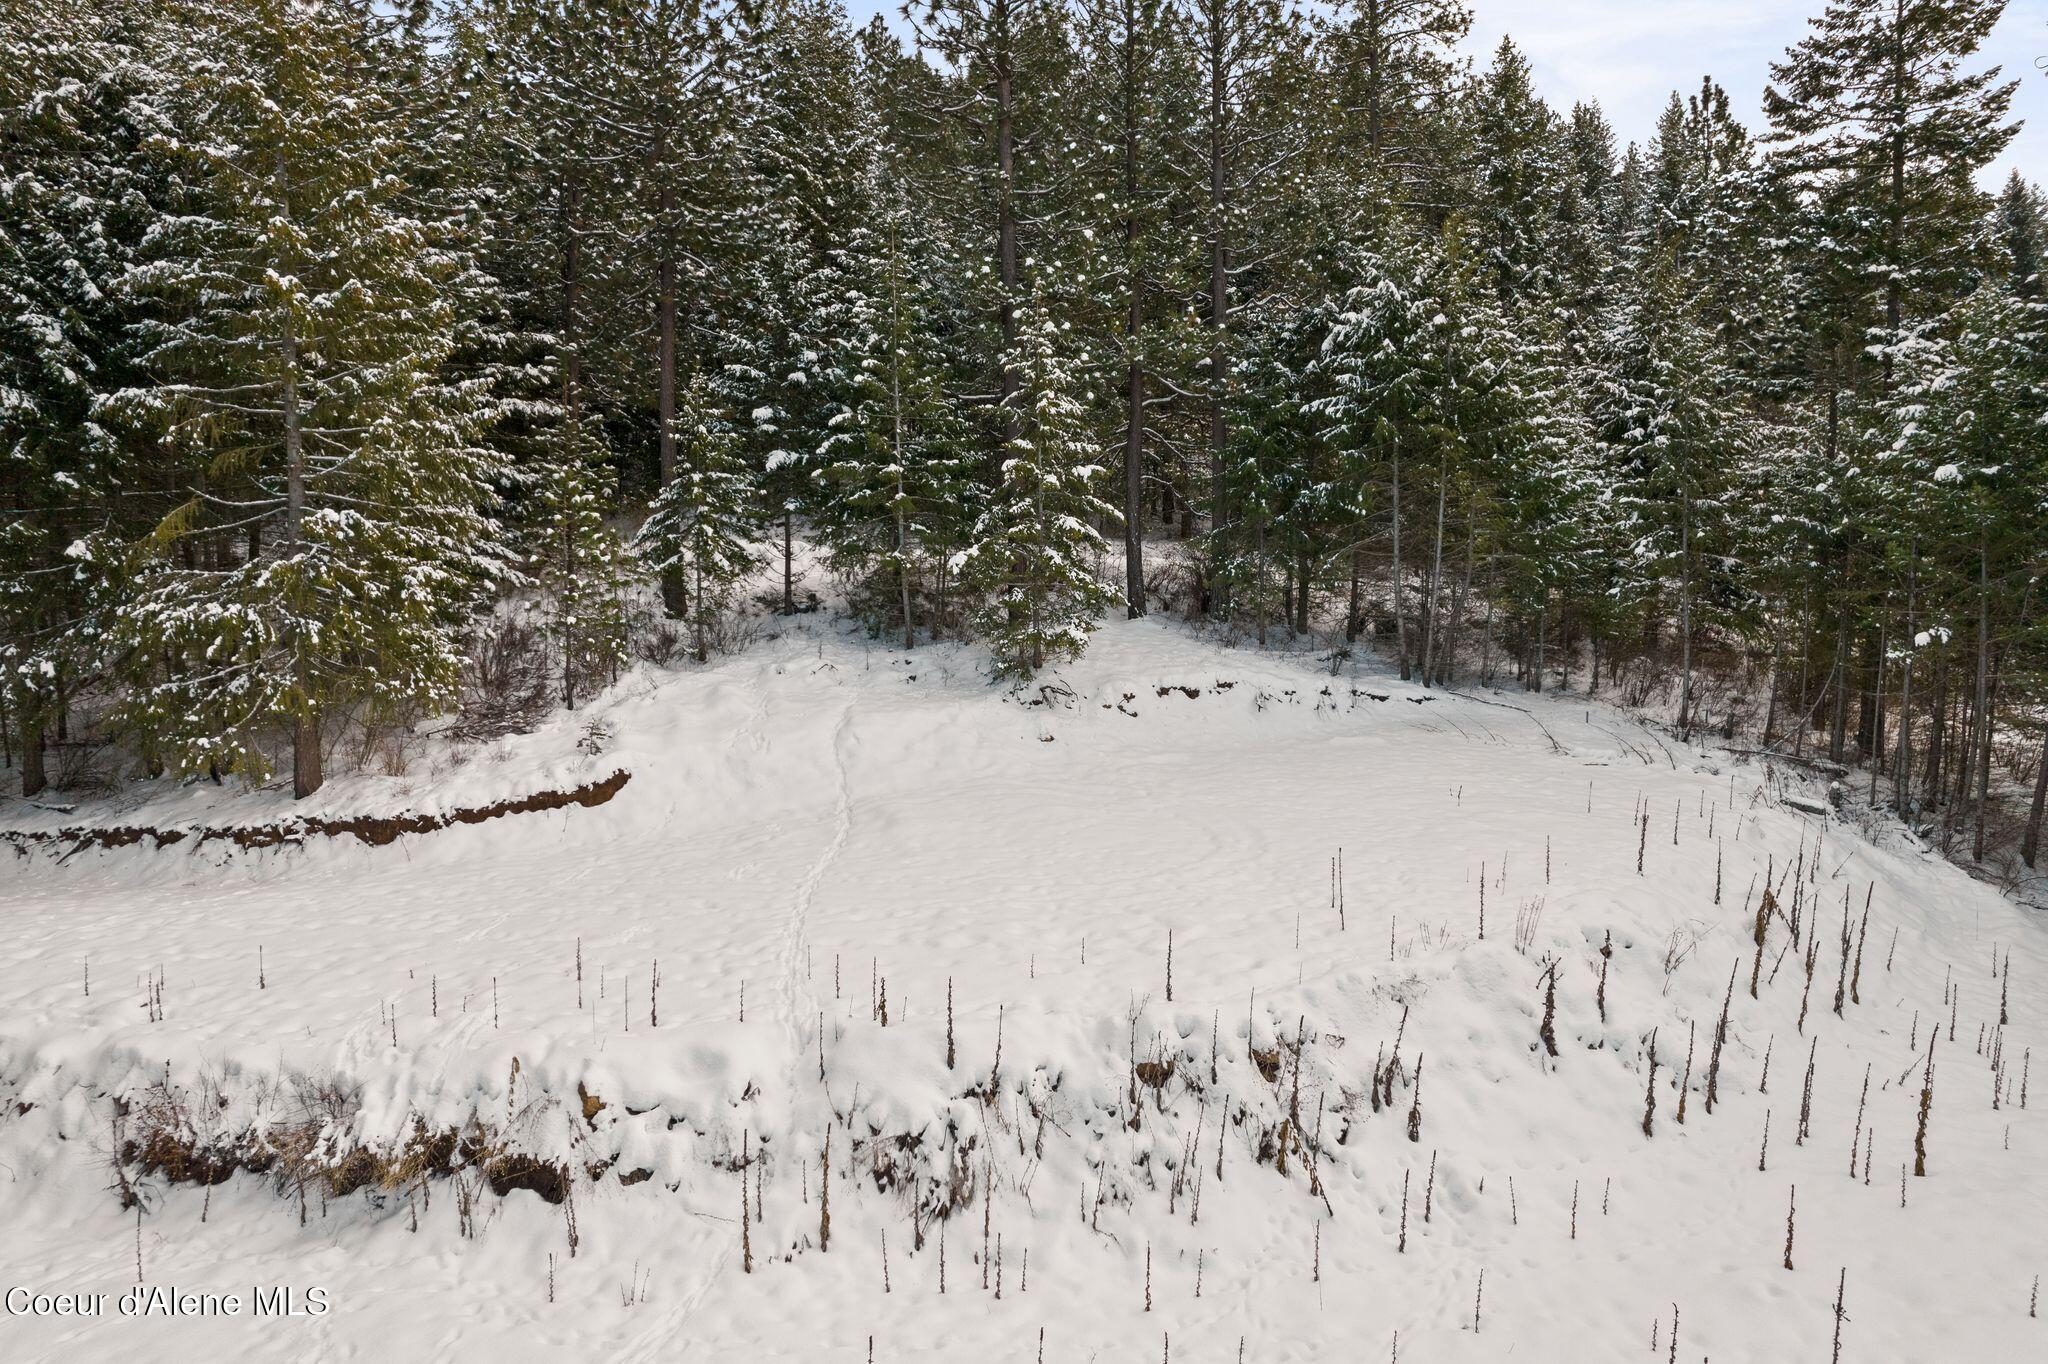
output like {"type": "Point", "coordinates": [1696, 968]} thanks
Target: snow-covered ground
{"type": "Point", "coordinates": [819, 816]}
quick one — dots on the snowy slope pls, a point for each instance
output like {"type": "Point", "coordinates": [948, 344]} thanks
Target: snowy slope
{"type": "Point", "coordinates": [819, 815]}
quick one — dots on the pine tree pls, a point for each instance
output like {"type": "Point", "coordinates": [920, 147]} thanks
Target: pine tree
{"type": "Point", "coordinates": [333, 526]}
{"type": "Point", "coordinates": [1879, 129]}
{"type": "Point", "coordinates": [805, 202]}
{"type": "Point", "coordinates": [1961, 491]}
{"type": "Point", "coordinates": [1670, 438]}
{"type": "Point", "coordinates": [1135, 93]}
{"type": "Point", "coordinates": [1586, 235]}
{"type": "Point", "coordinates": [1875, 112]}
{"type": "Point", "coordinates": [1394, 59]}
{"type": "Point", "coordinates": [79, 101]}
{"type": "Point", "coordinates": [895, 481]}
{"type": "Point", "coordinates": [988, 44]}
{"type": "Point", "coordinates": [1033, 556]}
{"type": "Point", "coordinates": [581, 570]}
{"type": "Point", "coordinates": [1517, 177]}
{"type": "Point", "coordinates": [1250, 132]}
{"type": "Point", "coordinates": [703, 524]}
{"type": "Point", "coordinates": [2022, 229]}
{"type": "Point", "coordinates": [550, 169]}
{"type": "Point", "coordinates": [663, 74]}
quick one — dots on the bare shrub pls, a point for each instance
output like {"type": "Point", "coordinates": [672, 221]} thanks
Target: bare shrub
{"type": "Point", "coordinates": [1175, 583]}
{"type": "Point", "coordinates": [656, 639]}
{"type": "Point", "coordinates": [82, 765]}
{"type": "Point", "coordinates": [1682, 943]}
{"type": "Point", "coordinates": [506, 683]}
{"type": "Point", "coordinates": [731, 633]}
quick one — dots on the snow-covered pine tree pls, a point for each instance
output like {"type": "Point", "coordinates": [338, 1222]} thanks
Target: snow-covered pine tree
{"type": "Point", "coordinates": [800, 134]}
{"type": "Point", "coordinates": [581, 569]}
{"type": "Point", "coordinates": [1709, 207]}
{"type": "Point", "coordinates": [701, 530]}
{"type": "Point", "coordinates": [1961, 491]}
{"type": "Point", "coordinates": [1673, 441]}
{"type": "Point", "coordinates": [1251, 129]}
{"type": "Point", "coordinates": [1387, 372]}
{"type": "Point", "coordinates": [2022, 231]}
{"type": "Point", "coordinates": [1517, 174]}
{"type": "Point", "coordinates": [1285, 482]}
{"type": "Point", "coordinates": [1879, 128]}
{"type": "Point", "coordinates": [1878, 119]}
{"type": "Point", "coordinates": [1585, 235]}
{"type": "Point", "coordinates": [896, 478]}
{"type": "Point", "coordinates": [332, 528]}
{"type": "Point", "coordinates": [1467, 420]}
{"type": "Point", "coordinates": [996, 87]}
{"type": "Point", "coordinates": [664, 75]}
{"type": "Point", "coordinates": [1534, 456]}
{"type": "Point", "coordinates": [1035, 551]}
{"type": "Point", "coordinates": [78, 101]}
{"type": "Point", "coordinates": [544, 69]}
{"type": "Point", "coordinates": [1394, 62]}
{"type": "Point", "coordinates": [1136, 89]}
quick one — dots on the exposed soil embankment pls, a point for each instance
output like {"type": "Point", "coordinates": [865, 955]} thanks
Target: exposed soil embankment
{"type": "Point", "coordinates": [375, 830]}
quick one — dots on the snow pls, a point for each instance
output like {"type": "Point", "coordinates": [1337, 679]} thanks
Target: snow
{"type": "Point", "coordinates": [819, 808]}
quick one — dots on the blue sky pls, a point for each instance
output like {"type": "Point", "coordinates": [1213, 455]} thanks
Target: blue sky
{"type": "Point", "coordinates": [1631, 54]}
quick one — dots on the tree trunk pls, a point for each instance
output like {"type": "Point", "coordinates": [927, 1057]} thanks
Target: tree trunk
{"type": "Point", "coordinates": [1134, 326]}
{"type": "Point", "coordinates": [34, 777]}
{"type": "Point", "coordinates": [1965, 757]}
{"type": "Point", "coordinates": [1984, 717]}
{"type": "Point", "coordinates": [1902, 768]}
{"type": "Point", "coordinates": [1006, 218]}
{"type": "Point", "coordinates": [1400, 614]}
{"type": "Point", "coordinates": [1870, 684]}
{"type": "Point", "coordinates": [1838, 738]}
{"type": "Point", "coordinates": [2030, 842]}
{"type": "Point", "coordinates": [1777, 668]}
{"type": "Point", "coordinates": [306, 774]}
{"type": "Point", "coordinates": [1877, 717]}
{"type": "Point", "coordinates": [1355, 606]}
{"type": "Point", "coordinates": [1937, 731]}
{"type": "Point", "coordinates": [1984, 768]}
{"type": "Point", "coordinates": [1259, 575]}
{"type": "Point", "coordinates": [1436, 571]}
{"type": "Point", "coordinates": [1685, 617]}
{"type": "Point", "coordinates": [1134, 481]}
{"type": "Point", "coordinates": [697, 620]}
{"type": "Point", "coordinates": [1486, 644]}
{"type": "Point", "coordinates": [1804, 703]}
{"type": "Point", "coordinates": [788, 560]}
{"type": "Point", "coordinates": [1447, 672]}
{"type": "Point", "coordinates": [1219, 269]}
{"type": "Point", "coordinates": [572, 285]}
{"type": "Point", "coordinates": [1304, 570]}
